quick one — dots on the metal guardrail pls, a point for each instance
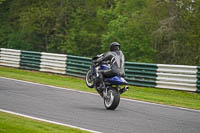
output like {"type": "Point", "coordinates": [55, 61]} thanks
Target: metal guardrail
{"type": "Point", "coordinates": [179, 77]}
{"type": "Point", "coordinates": [55, 63]}
{"type": "Point", "coordinates": [30, 60]}
{"type": "Point", "coordinates": [10, 57]}
{"type": "Point", "coordinates": [77, 66]}
{"type": "Point", "coordinates": [198, 81]}
{"type": "Point", "coordinates": [141, 74]}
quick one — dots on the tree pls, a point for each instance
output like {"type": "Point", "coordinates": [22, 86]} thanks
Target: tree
{"type": "Point", "coordinates": [1, 1]}
{"type": "Point", "coordinates": [173, 38]}
{"type": "Point", "coordinates": [131, 27]}
{"type": "Point", "coordinates": [156, 31]}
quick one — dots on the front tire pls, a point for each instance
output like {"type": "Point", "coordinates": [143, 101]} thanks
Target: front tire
{"type": "Point", "coordinates": [89, 79]}
{"type": "Point", "coordinates": [113, 99]}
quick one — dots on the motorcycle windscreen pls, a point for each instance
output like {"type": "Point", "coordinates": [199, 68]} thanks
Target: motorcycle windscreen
{"type": "Point", "coordinates": [117, 80]}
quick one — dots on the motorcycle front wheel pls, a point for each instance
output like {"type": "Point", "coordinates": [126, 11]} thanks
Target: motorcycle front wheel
{"type": "Point", "coordinates": [112, 100]}
{"type": "Point", "coordinates": [89, 79]}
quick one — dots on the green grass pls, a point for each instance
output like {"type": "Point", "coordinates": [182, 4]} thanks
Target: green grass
{"type": "Point", "coordinates": [10, 123]}
{"type": "Point", "coordinates": [155, 95]}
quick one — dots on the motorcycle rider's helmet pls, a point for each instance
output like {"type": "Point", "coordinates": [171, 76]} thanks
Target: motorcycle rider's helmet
{"type": "Point", "coordinates": [114, 46]}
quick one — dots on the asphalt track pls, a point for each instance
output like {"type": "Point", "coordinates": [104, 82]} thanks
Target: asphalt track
{"type": "Point", "coordinates": [86, 110]}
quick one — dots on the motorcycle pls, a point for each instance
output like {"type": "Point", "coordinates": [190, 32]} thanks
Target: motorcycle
{"type": "Point", "coordinates": [112, 91]}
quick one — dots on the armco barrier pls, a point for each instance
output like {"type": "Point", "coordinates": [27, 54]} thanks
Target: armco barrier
{"type": "Point", "coordinates": [10, 57]}
{"type": "Point", "coordinates": [198, 77]}
{"type": "Point", "coordinates": [55, 63]}
{"type": "Point", "coordinates": [179, 77]}
{"type": "Point", "coordinates": [77, 66]}
{"type": "Point", "coordinates": [30, 60]}
{"type": "Point", "coordinates": [141, 74]}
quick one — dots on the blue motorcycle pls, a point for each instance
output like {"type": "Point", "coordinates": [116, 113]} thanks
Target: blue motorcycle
{"type": "Point", "coordinates": [111, 94]}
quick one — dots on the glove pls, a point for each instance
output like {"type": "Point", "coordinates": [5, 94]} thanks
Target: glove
{"type": "Point", "coordinates": [95, 61]}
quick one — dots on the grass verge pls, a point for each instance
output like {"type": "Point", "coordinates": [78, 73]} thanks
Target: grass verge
{"type": "Point", "coordinates": [155, 95]}
{"type": "Point", "coordinates": [10, 123]}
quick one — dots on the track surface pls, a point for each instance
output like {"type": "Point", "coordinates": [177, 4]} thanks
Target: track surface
{"type": "Point", "coordinates": [87, 110]}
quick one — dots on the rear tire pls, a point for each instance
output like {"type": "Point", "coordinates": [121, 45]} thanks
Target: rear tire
{"type": "Point", "coordinates": [89, 79]}
{"type": "Point", "coordinates": [112, 102]}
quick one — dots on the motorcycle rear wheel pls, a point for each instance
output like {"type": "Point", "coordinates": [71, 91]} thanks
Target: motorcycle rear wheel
{"type": "Point", "coordinates": [113, 99]}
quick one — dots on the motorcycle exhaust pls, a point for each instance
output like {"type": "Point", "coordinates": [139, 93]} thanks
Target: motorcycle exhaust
{"type": "Point", "coordinates": [123, 90]}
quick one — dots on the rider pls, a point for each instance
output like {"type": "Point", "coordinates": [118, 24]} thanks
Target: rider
{"type": "Point", "coordinates": [115, 57]}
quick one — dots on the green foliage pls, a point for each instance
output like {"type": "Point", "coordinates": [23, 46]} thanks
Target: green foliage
{"type": "Point", "coordinates": [177, 39]}
{"type": "Point", "coordinates": [156, 31]}
{"type": "Point", "coordinates": [1, 1]}
{"type": "Point", "coordinates": [131, 27]}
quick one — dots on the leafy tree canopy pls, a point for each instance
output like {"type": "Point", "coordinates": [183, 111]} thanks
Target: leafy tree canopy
{"type": "Point", "coordinates": [154, 31]}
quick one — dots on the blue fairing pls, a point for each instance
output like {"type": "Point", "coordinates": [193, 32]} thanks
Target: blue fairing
{"type": "Point", "coordinates": [104, 67]}
{"type": "Point", "coordinates": [117, 80]}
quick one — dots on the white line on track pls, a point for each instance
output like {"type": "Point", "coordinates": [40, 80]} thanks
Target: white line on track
{"type": "Point", "coordinates": [130, 100]}
{"type": "Point", "coordinates": [49, 121]}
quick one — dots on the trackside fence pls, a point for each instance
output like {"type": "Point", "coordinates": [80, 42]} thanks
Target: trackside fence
{"type": "Point", "coordinates": [10, 57]}
{"type": "Point", "coordinates": [178, 77]}
{"type": "Point", "coordinates": [55, 63]}
{"type": "Point", "coordinates": [77, 66]}
{"type": "Point", "coordinates": [30, 60]}
{"type": "Point", "coordinates": [141, 74]}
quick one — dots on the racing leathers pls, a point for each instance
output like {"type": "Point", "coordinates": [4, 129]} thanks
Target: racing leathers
{"type": "Point", "coordinates": [116, 61]}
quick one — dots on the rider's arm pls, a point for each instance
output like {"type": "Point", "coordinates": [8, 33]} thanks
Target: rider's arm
{"type": "Point", "coordinates": [99, 60]}
{"type": "Point", "coordinates": [105, 57]}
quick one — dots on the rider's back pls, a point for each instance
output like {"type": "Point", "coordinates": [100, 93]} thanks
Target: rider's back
{"type": "Point", "coordinates": [116, 59]}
